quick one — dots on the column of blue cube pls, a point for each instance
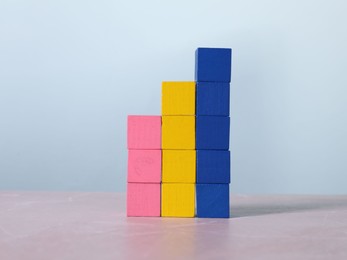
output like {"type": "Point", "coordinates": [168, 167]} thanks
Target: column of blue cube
{"type": "Point", "coordinates": [212, 76]}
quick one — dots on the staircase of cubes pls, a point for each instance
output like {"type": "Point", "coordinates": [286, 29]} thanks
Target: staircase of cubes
{"type": "Point", "coordinates": [179, 163]}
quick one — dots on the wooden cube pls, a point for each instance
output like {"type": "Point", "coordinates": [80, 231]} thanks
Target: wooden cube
{"type": "Point", "coordinates": [179, 166]}
{"type": "Point", "coordinates": [213, 64]}
{"type": "Point", "coordinates": [212, 132]}
{"type": "Point", "coordinates": [143, 200]}
{"type": "Point", "coordinates": [144, 132]}
{"type": "Point", "coordinates": [212, 166]}
{"type": "Point", "coordinates": [212, 98]}
{"type": "Point", "coordinates": [178, 132]}
{"type": "Point", "coordinates": [177, 200]}
{"type": "Point", "coordinates": [144, 166]}
{"type": "Point", "coordinates": [212, 201]}
{"type": "Point", "coordinates": [178, 98]}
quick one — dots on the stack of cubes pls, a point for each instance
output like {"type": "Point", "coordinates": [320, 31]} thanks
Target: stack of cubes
{"type": "Point", "coordinates": [212, 75]}
{"type": "Point", "coordinates": [144, 166]}
{"type": "Point", "coordinates": [179, 163]}
{"type": "Point", "coordinates": [178, 147]}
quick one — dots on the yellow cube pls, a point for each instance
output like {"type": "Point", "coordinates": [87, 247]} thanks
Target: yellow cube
{"type": "Point", "coordinates": [177, 200]}
{"type": "Point", "coordinates": [179, 166]}
{"type": "Point", "coordinates": [178, 98]}
{"type": "Point", "coordinates": [178, 132]}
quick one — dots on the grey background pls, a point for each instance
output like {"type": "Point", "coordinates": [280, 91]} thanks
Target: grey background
{"type": "Point", "coordinates": [71, 71]}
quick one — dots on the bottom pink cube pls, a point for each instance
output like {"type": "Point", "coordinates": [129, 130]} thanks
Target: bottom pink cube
{"type": "Point", "coordinates": [143, 200]}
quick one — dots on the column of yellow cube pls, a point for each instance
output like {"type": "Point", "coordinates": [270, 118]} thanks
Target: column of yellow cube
{"type": "Point", "coordinates": [178, 148]}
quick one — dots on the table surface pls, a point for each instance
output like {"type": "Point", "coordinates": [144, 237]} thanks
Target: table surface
{"type": "Point", "coordinates": [47, 225]}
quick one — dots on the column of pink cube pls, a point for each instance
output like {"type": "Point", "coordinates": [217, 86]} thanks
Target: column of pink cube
{"type": "Point", "coordinates": [144, 165]}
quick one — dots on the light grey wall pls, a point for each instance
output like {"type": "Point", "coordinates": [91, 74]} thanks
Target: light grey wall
{"type": "Point", "coordinates": [70, 72]}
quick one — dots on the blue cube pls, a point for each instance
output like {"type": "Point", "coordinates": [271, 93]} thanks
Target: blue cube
{"type": "Point", "coordinates": [212, 132]}
{"type": "Point", "coordinates": [212, 98]}
{"type": "Point", "coordinates": [212, 166]}
{"type": "Point", "coordinates": [212, 201]}
{"type": "Point", "coordinates": [213, 64]}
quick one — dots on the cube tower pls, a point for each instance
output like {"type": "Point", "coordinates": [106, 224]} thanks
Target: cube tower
{"type": "Point", "coordinates": [179, 163]}
{"type": "Point", "coordinates": [144, 166]}
{"type": "Point", "coordinates": [179, 156]}
{"type": "Point", "coordinates": [212, 75]}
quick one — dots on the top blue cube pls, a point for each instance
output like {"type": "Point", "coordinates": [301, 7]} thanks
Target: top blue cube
{"type": "Point", "coordinates": [212, 65]}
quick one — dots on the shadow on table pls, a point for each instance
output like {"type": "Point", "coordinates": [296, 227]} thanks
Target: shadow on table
{"type": "Point", "coordinates": [278, 206]}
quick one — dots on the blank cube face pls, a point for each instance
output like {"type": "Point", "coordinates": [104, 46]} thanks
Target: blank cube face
{"type": "Point", "coordinates": [144, 166]}
{"type": "Point", "coordinates": [213, 64]}
{"type": "Point", "coordinates": [179, 166]}
{"type": "Point", "coordinates": [212, 132]}
{"type": "Point", "coordinates": [143, 200]}
{"type": "Point", "coordinates": [213, 166]}
{"type": "Point", "coordinates": [144, 132]}
{"type": "Point", "coordinates": [178, 132]}
{"type": "Point", "coordinates": [212, 200]}
{"type": "Point", "coordinates": [212, 99]}
{"type": "Point", "coordinates": [178, 200]}
{"type": "Point", "coordinates": [178, 98]}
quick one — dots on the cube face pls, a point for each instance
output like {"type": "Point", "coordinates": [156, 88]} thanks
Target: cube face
{"type": "Point", "coordinates": [179, 166]}
{"type": "Point", "coordinates": [212, 166]}
{"type": "Point", "coordinates": [178, 200]}
{"type": "Point", "coordinates": [144, 132]}
{"type": "Point", "coordinates": [178, 98]}
{"type": "Point", "coordinates": [212, 99]}
{"type": "Point", "coordinates": [144, 166]}
{"type": "Point", "coordinates": [213, 65]}
{"type": "Point", "coordinates": [143, 200]}
{"type": "Point", "coordinates": [212, 132]}
{"type": "Point", "coordinates": [178, 132]}
{"type": "Point", "coordinates": [212, 200]}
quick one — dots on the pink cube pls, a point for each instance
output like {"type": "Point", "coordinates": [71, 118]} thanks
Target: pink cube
{"type": "Point", "coordinates": [144, 132]}
{"type": "Point", "coordinates": [143, 200]}
{"type": "Point", "coordinates": [144, 166]}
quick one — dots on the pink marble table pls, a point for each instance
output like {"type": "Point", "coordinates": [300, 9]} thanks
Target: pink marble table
{"type": "Point", "coordinates": [47, 225]}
